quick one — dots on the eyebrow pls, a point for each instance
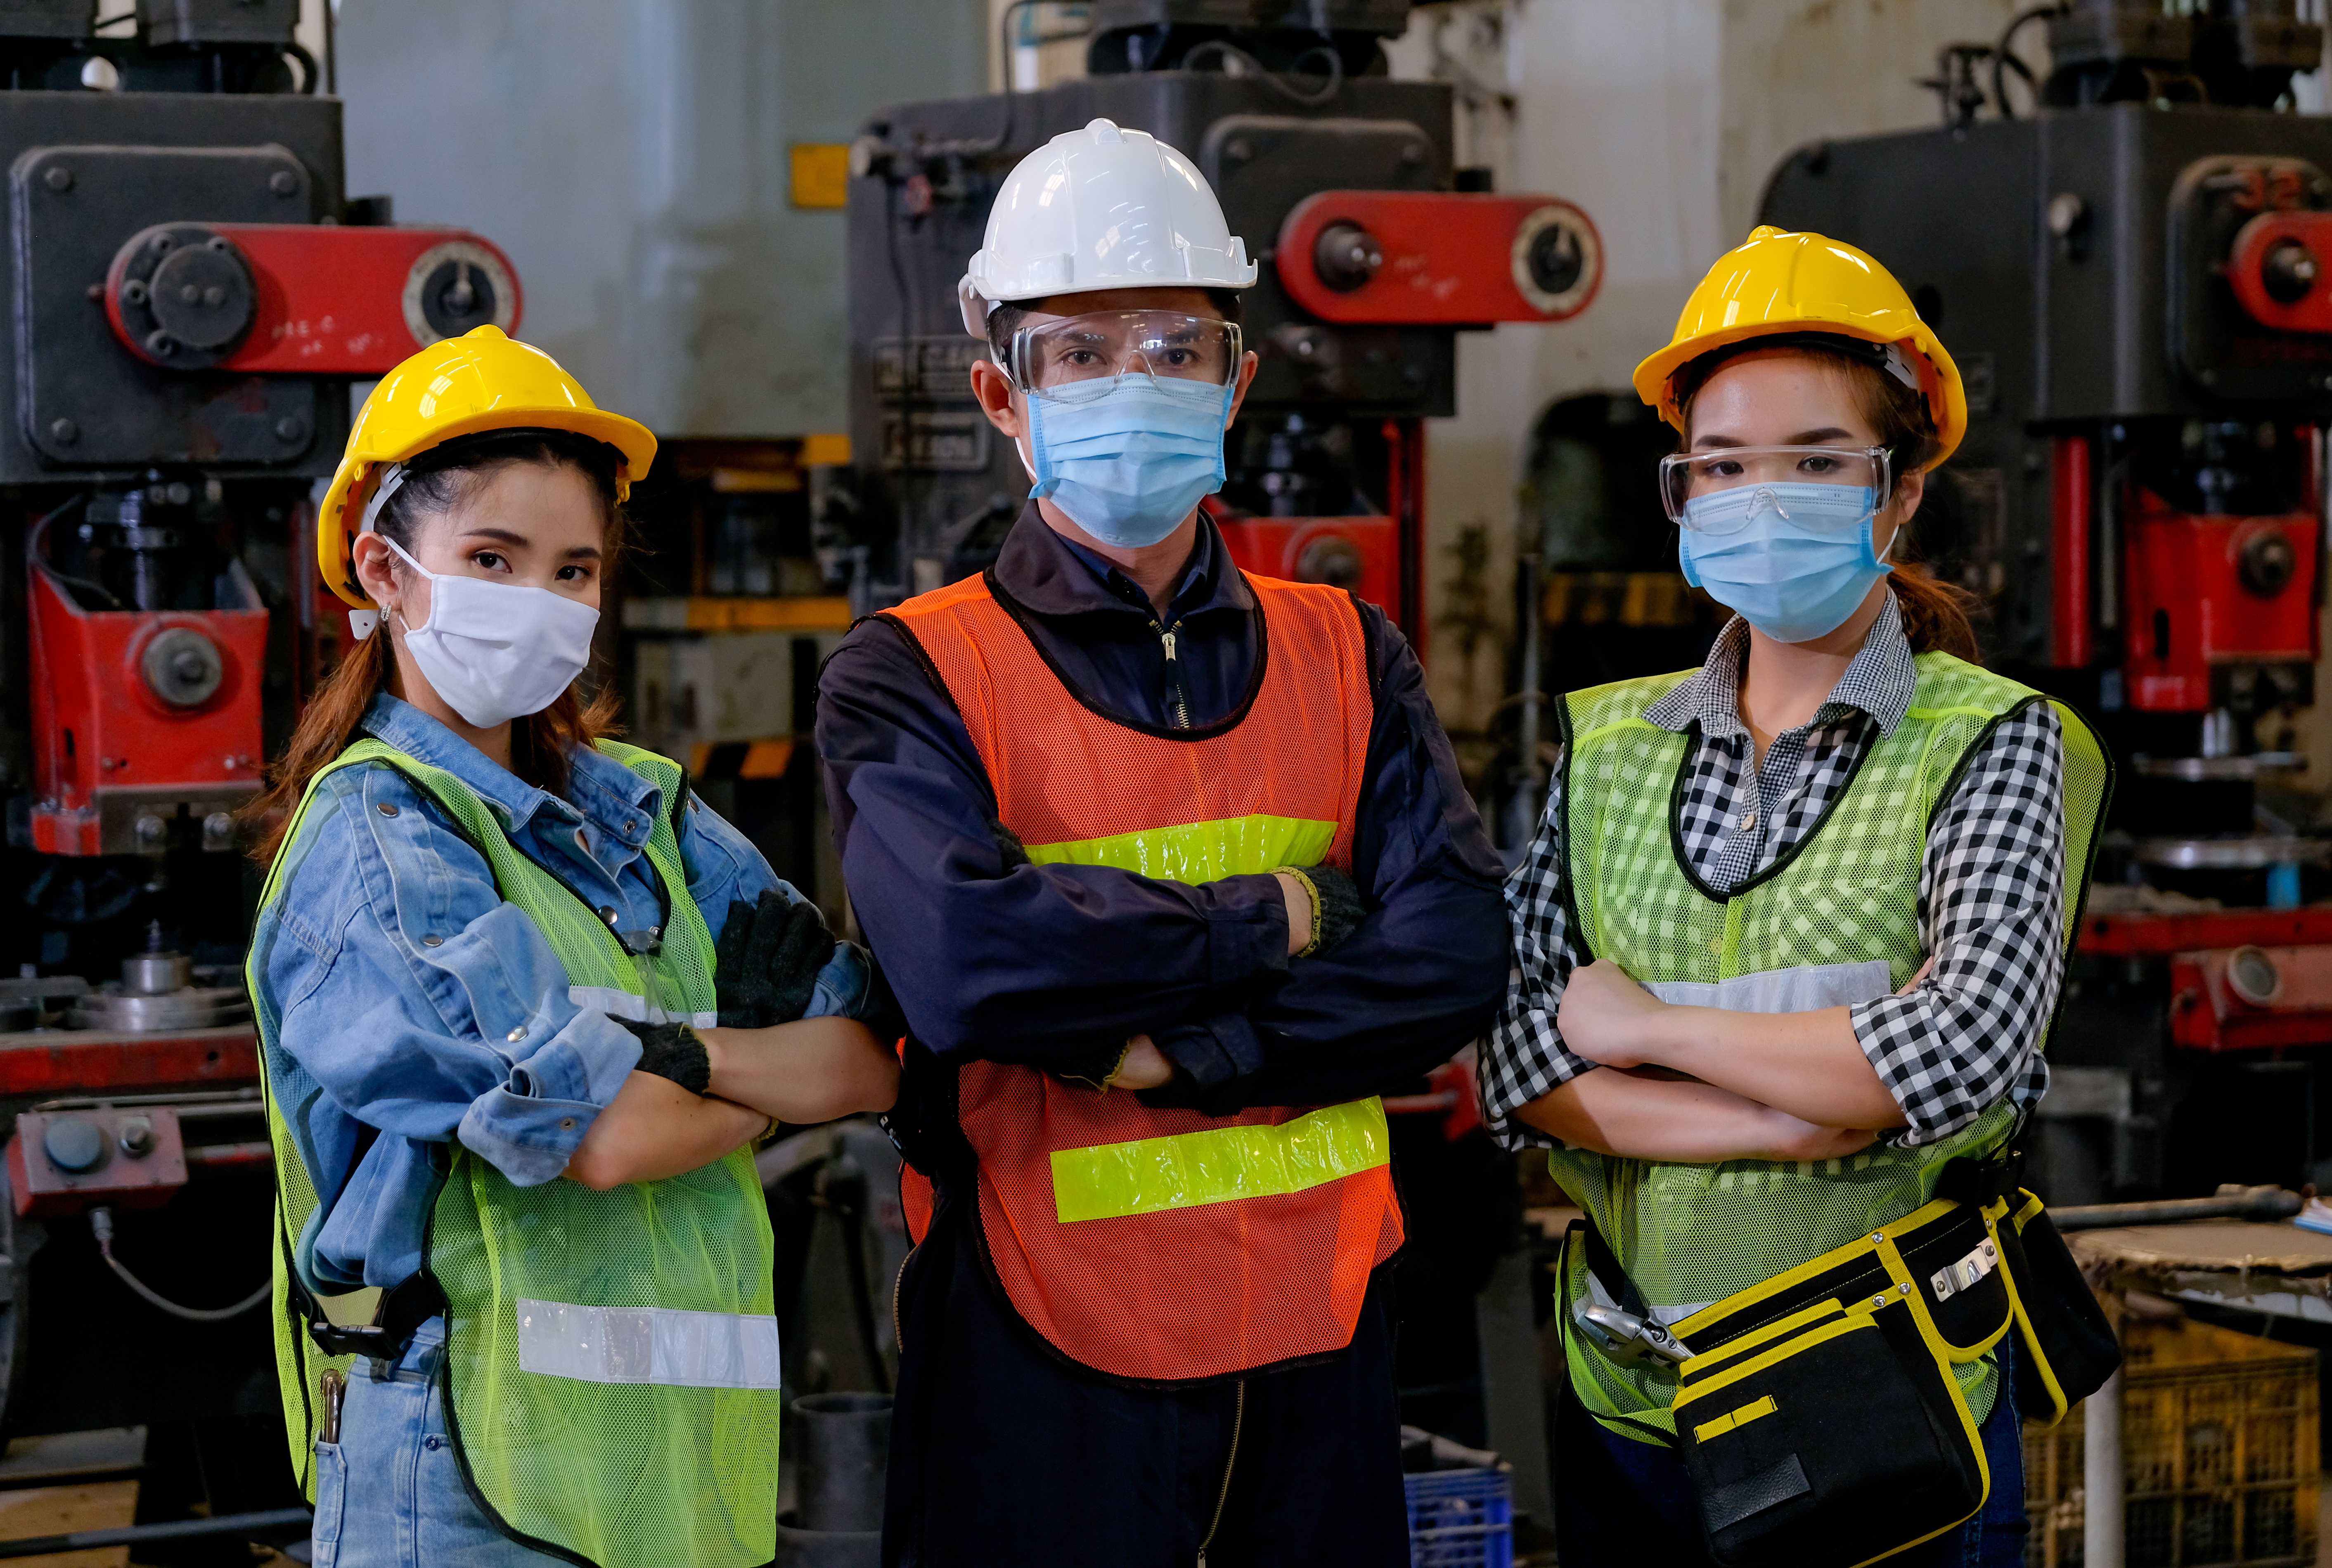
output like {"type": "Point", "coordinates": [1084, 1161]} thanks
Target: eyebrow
{"type": "Point", "coordinates": [504, 536]}
{"type": "Point", "coordinates": [1821, 437]}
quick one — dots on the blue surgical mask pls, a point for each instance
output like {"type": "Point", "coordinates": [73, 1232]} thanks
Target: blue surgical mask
{"type": "Point", "coordinates": [1131, 464]}
{"type": "Point", "coordinates": [1794, 559]}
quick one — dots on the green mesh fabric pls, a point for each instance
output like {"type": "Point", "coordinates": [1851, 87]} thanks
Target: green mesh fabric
{"type": "Point", "coordinates": [1689, 1235]}
{"type": "Point", "coordinates": [625, 1475]}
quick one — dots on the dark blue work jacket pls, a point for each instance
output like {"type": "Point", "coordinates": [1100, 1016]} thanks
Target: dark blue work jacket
{"type": "Point", "coordinates": [1057, 966]}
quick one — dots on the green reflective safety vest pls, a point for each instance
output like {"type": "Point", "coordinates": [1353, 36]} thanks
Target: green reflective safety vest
{"type": "Point", "coordinates": [611, 1365]}
{"type": "Point", "coordinates": [1835, 922]}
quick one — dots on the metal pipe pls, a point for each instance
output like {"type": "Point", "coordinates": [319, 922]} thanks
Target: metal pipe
{"type": "Point", "coordinates": [274, 1519]}
{"type": "Point", "coordinates": [2102, 1496]}
{"type": "Point", "coordinates": [2230, 1204]}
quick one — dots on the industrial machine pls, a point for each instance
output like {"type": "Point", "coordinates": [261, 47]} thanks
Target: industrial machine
{"type": "Point", "coordinates": [2125, 256]}
{"type": "Point", "coordinates": [190, 295]}
{"type": "Point", "coordinates": [1376, 251]}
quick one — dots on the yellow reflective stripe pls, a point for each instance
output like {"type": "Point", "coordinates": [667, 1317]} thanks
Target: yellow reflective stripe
{"type": "Point", "coordinates": [1198, 852]}
{"type": "Point", "coordinates": [1734, 1419]}
{"type": "Point", "coordinates": [1221, 1165]}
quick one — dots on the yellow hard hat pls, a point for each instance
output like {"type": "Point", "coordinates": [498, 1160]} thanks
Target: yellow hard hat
{"type": "Point", "coordinates": [1777, 282]}
{"type": "Point", "coordinates": [460, 387]}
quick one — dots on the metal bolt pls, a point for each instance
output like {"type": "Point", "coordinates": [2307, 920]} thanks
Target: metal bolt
{"type": "Point", "coordinates": [162, 245]}
{"type": "Point", "coordinates": [150, 829]}
{"type": "Point", "coordinates": [213, 295]}
{"type": "Point", "coordinates": [178, 492]}
{"type": "Point", "coordinates": [284, 182]}
{"type": "Point", "coordinates": [133, 292]}
{"type": "Point", "coordinates": [136, 1136]}
{"type": "Point", "coordinates": [291, 427]}
{"type": "Point", "coordinates": [1238, 149]}
{"type": "Point", "coordinates": [64, 432]}
{"type": "Point", "coordinates": [59, 178]}
{"type": "Point", "coordinates": [160, 344]}
{"type": "Point", "coordinates": [190, 294]}
{"type": "Point", "coordinates": [1411, 156]}
{"type": "Point", "coordinates": [219, 826]}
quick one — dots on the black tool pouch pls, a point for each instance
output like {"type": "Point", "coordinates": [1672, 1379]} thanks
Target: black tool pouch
{"type": "Point", "coordinates": [1819, 1417]}
{"type": "Point", "coordinates": [2069, 1347]}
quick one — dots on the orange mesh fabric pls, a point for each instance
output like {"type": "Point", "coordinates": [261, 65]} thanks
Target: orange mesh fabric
{"type": "Point", "coordinates": [1223, 1287]}
{"type": "Point", "coordinates": [1298, 751]}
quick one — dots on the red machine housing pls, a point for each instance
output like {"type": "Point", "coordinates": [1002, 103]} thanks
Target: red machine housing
{"type": "Point", "coordinates": [2206, 590]}
{"type": "Point", "coordinates": [1361, 553]}
{"type": "Point", "coordinates": [1438, 258]}
{"type": "Point", "coordinates": [328, 300]}
{"type": "Point", "coordinates": [116, 761]}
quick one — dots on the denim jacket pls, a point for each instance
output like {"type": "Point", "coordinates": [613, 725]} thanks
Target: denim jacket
{"type": "Point", "coordinates": [429, 1009]}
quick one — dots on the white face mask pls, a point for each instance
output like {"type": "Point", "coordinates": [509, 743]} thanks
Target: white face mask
{"type": "Point", "coordinates": [497, 651]}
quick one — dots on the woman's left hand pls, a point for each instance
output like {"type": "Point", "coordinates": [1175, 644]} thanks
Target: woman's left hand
{"type": "Point", "coordinates": [1606, 1017]}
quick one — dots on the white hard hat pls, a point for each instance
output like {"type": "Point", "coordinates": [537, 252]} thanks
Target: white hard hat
{"type": "Point", "coordinates": [1100, 208]}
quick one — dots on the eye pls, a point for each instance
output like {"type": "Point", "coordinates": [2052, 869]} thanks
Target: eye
{"type": "Point", "coordinates": [575, 573]}
{"type": "Point", "coordinates": [491, 559]}
{"type": "Point", "coordinates": [1819, 462]}
{"type": "Point", "coordinates": [1720, 468]}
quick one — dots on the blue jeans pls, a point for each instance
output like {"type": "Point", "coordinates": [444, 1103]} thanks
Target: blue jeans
{"type": "Point", "coordinates": [389, 1493]}
{"type": "Point", "coordinates": [1621, 1504]}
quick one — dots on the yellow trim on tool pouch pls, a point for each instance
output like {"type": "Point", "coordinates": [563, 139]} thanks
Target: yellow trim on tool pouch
{"type": "Point", "coordinates": [1852, 1322]}
{"type": "Point", "coordinates": [1733, 1420]}
{"type": "Point", "coordinates": [1195, 852]}
{"type": "Point", "coordinates": [1708, 1360]}
{"type": "Point", "coordinates": [1219, 1165]}
{"type": "Point", "coordinates": [1716, 1313]}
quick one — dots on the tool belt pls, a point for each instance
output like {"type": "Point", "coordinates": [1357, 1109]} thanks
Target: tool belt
{"type": "Point", "coordinates": [1818, 1413]}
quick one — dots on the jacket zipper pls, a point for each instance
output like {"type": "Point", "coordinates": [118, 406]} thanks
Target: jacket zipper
{"type": "Point", "coordinates": [1178, 700]}
{"type": "Point", "coordinates": [1238, 1419]}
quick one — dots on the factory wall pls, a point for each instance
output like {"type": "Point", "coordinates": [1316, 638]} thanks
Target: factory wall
{"type": "Point", "coordinates": [634, 157]}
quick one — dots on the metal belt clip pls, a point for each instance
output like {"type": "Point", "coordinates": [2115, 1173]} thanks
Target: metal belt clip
{"type": "Point", "coordinates": [1954, 1277]}
{"type": "Point", "coordinates": [1628, 1339]}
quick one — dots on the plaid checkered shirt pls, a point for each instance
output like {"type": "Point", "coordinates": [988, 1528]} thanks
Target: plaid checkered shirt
{"type": "Point", "coordinates": [1991, 889]}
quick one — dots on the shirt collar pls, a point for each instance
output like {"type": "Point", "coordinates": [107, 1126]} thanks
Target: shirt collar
{"type": "Point", "coordinates": [1049, 573]}
{"type": "Point", "coordinates": [617, 801]}
{"type": "Point", "coordinates": [1879, 681]}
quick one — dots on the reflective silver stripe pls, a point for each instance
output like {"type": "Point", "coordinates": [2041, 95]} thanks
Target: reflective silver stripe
{"type": "Point", "coordinates": [623, 1004]}
{"type": "Point", "coordinates": [647, 1345]}
{"type": "Point", "coordinates": [1802, 990]}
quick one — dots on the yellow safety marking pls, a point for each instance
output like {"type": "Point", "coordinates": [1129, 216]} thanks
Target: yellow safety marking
{"type": "Point", "coordinates": [1219, 1165]}
{"type": "Point", "coordinates": [1733, 1418]}
{"type": "Point", "coordinates": [1195, 852]}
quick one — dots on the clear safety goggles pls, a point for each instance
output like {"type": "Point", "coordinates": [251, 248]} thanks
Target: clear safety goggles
{"type": "Point", "coordinates": [1690, 476]}
{"type": "Point", "coordinates": [1078, 358]}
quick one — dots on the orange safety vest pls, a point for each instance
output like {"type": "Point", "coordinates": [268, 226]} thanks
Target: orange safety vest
{"type": "Point", "coordinates": [1166, 1246]}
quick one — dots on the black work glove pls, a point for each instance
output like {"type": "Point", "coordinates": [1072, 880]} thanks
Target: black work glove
{"type": "Point", "coordinates": [768, 960]}
{"type": "Point", "coordinates": [1008, 844]}
{"type": "Point", "coordinates": [672, 1051]}
{"type": "Point", "coordinates": [1339, 903]}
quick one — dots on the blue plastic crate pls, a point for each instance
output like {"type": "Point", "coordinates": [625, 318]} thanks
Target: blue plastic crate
{"type": "Point", "coordinates": [1460, 1519]}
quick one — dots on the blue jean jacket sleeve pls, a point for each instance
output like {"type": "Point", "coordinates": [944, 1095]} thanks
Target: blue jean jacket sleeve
{"type": "Point", "coordinates": [725, 867]}
{"type": "Point", "coordinates": [424, 1005]}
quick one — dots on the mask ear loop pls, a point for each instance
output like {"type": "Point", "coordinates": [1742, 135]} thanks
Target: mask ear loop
{"type": "Point", "coordinates": [362, 623]}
